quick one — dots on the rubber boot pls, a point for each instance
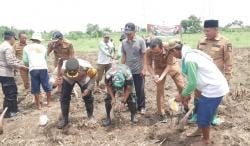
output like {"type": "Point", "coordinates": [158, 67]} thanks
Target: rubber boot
{"type": "Point", "coordinates": [108, 108]}
{"type": "Point", "coordinates": [65, 116]}
{"type": "Point", "coordinates": [6, 104]}
{"type": "Point", "coordinates": [132, 108]}
{"type": "Point", "coordinates": [89, 108]}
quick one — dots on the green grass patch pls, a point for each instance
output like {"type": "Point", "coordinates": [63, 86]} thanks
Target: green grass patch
{"type": "Point", "coordinates": [238, 40]}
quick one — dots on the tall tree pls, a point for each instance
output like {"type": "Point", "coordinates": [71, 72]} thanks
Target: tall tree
{"type": "Point", "coordinates": [192, 24]}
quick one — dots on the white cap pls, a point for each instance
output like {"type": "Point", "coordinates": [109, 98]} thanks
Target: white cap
{"type": "Point", "coordinates": [36, 36]}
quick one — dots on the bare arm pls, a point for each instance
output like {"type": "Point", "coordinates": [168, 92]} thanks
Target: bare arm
{"type": "Point", "coordinates": [123, 60]}
{"type": "Point", "coordinates": [71, 51]}
{"type": "Point", "coordinates": [50, 48]}
{"type": "Point", "coordinates": [164, 73]}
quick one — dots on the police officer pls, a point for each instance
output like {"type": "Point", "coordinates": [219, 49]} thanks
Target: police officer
{"type": "Point", "coordinates": [9, 63]}
{"type": "Point", "coordinates": [81, 72]}
{"type": "Point", "coordinates": [119, 77]}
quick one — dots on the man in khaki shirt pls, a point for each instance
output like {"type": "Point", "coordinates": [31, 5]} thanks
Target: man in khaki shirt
{"type": "Point", "coordinates": [18, 47]}
{"type": "Point", "coordinates": [160, 63]}
{"type": "Point", "coordinates": [218, 47]}
{"type": "Point", "coordinates": [61, 47]}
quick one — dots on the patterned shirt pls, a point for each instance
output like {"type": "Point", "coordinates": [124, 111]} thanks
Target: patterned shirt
{"type": "Point", "coordinates": [8, 60]}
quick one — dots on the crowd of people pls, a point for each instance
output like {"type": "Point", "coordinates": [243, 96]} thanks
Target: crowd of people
{"type": "Point", "coordinates": [207, 69]}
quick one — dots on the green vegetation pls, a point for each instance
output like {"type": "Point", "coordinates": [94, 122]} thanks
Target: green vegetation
{"type": "Point", "coordinates": [88, 42]}
{"type": "Point", "coordinates": [238, 39]}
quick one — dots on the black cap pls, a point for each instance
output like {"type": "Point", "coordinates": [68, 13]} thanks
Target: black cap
{"type": "Point", "coordinates": [129, 27]}
{"type": "Point", "coordinates": [9, 34]}
{"type": "Point", "coordinates": [211, 23]}
{"type": "Point", "coordinates": [123, 36]}
{"type": "Point", "coordinates": [72, 64]}
{"type": "Point", "coordinates": [57, 35]}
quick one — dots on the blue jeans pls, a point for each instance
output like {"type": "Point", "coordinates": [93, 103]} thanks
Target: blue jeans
{"type": "Point", "coordinates": [39, 77]}
{"type": "Point", "coordinates": [139, 83]}
{"type": "Point", "coordinates": [206, 108]}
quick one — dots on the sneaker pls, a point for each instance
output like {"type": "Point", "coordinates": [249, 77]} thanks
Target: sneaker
{"type": "Point", "coordinates": [215, 121]}
{"type": "Point", "coordinates": [134, 119]}
{"type": "Point", "coordinates": [143, 111]}
{"type": "Point", "coordinates": [163, 119]}
{"type": "Point", "coordinates": [193, 119]}
{"type": "Point", "coordinates": [106, 122]}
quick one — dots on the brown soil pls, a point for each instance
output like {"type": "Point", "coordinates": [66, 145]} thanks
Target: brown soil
{"type": "Point", "coordinates": [24, 129]}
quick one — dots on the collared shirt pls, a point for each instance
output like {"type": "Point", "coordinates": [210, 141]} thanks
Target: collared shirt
{"type": "Point", "coordinates": [82, 80]}
{"type": "Point", "coordinates": [220, 49]}
{"type": "Point", "coordinates": [106, 51]}
{"type": "Point", "coordinates": [18, 47]}
{"type": "Point", "coordinates": [160, 60]}
{"type": "Point", "coordinates": [134, 51]}
{"type": "Point", "coordinates": [8, 60]}
{"type": "Point", "coordinates": [64, 50]}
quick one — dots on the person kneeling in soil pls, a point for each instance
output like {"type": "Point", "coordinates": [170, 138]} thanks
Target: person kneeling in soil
{"type": "Point", "coordinates": [81, 72]}
{"type": "Point", "coordinates": [35, 56]}
{"type": "Point", "coordinates": [203, 75]}
{"type": "Point", "coordinates": [119, 77]}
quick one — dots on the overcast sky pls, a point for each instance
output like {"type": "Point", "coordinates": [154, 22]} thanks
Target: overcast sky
{"type": "Point", "coordinates": [73, 15]}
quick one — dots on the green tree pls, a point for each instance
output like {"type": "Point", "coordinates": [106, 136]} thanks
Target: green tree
{"type": "Point", "coordinates": [93, 30]}
{"type": "Point", "coordinates": [106, 29]}
{"type": "Point", "coordinates": [192, 24]}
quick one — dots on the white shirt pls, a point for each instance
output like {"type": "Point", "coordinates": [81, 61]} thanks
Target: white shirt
{"type": "Point", "coordinates": [104, 49]}
{"type": "Point", "coordinates": [36, 54]}
{"type": "Point", "coordinates": [210, 80]}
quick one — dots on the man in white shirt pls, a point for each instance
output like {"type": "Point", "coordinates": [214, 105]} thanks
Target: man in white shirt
{"type": "Point", "coordinates": [35, 56]}
{"type": "Point", "coordinates": [202, 75]}
{"type": "Point", "coordinates": [105, 56]}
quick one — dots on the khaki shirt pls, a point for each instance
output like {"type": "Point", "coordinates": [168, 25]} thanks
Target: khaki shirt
{"type": "Point", "coordinates": [65, 50]}
{"type": "Point", "coordinates": [220, 49]}
{"type": "Point", "coordinates": [18, 48]}
{"type": "Point", "coordinates": [160, 60]}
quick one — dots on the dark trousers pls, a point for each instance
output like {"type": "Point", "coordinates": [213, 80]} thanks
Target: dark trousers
{"type": "Point", "coordinates": [9, 89]}
{"type": "Point", "coordinates": [66, 96]}
{"type": "Point", "coordinates": [131, 101]}
{"type": "Point", "coordinates": [139, 83]}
